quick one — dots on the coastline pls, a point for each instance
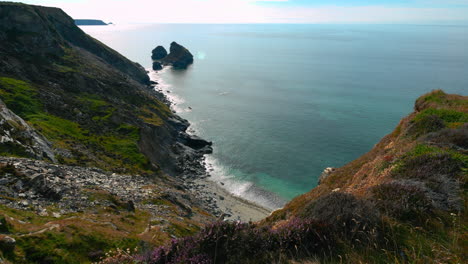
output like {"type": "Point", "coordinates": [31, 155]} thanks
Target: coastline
{"type": "Point", "coordinates": [196, 179]}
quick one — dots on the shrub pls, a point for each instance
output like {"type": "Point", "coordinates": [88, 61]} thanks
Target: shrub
{"type": "Point", "coordinates": [348, 216]}
{"type": "Point", "coordinates": [5, 227]}
{"type": "Point", "coordinates": [235, 242]}
{"type": "Point", "coordinates": [425, 124]}
{"type": "Point", "coordinates": [453, 138]}
{"type": "Point", "coordinates": [428, 166]}
{"type": "Point", "coordinates": [407, 201]}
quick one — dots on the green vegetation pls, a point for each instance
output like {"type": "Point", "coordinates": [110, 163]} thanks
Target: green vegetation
{"type": "Point", "coordinates": [19, 96]}
{"type": "Point", "coordinates": [439, 98]}
{"type": "Point", "coordinates": [115, 149]}
{"type": "Point", "coordinates": [447, 115]}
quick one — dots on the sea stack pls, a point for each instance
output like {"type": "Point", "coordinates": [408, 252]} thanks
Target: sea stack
{"type": "Point", "coordinates": [179, 57]}
{"type": "Point", "coordinates": [159, 53]}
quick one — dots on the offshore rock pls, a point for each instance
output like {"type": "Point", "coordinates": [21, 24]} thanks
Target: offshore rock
{"type": "Point", "coordinates": [157, 66]}
{"type": "Point", "coordinates": [179, 57]}
{"type": "Point", "coordinates": [159, 53]}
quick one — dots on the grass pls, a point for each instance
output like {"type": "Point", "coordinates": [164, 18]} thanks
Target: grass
{"type": "Point", "coordinates": [19, 96]}
{"type": "Point", "coordinates": [56, 128]}
{"type": "Point", "coordinates": [115, 150]}
{"type": "Point", "coordinates": [447, 115]}
{"type": "Point", "coordinates": [439, 99]}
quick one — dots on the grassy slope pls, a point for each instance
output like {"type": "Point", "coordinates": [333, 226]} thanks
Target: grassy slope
{"type": "Point", "coordinates": [93, 114]}
{"type": "Point", "coordinates": [419, 232]}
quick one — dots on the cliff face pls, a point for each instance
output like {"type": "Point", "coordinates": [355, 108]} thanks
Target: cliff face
{"type": "Point", "coordinates": [69, 100]}
{"type": "Point", "coordinates": [52, 71]}
{"type": "Point", "coordinates": [40, 35]}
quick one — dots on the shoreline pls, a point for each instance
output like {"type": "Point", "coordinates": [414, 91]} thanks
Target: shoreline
{"type": "Point", "coordinates": [211, 195]}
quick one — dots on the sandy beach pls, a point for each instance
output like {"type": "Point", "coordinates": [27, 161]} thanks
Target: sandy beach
{"type": "Point", "coordinates": [239, 209]}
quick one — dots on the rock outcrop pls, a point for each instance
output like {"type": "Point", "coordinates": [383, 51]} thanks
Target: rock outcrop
{"type": "Point", "coordinates": [157, 66]}
{"type": "Point", "coordinates": [179, 57]}
{"type": "Point", "coordinates": [18, 138]}
{"type": "Point", "coordinates": [158, 53]}
{"type": "Point", "coordinates": [43, 34]}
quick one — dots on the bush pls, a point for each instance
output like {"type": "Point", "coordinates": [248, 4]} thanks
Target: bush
{"type": "Point", "coordinates": [235, 242]}
{"type": "Point", "coordinates": [428, 167]}
{"type": "Point", "coordinates": [5, 227]}
{"type": "Point", "coordinates": [406, 201]}
{"type": "Point", "coordinates": [348, 216]}
{"type": "Point", "coordinates": [425, 124]}
{"type": "Point", "coordinates": [452, 138]}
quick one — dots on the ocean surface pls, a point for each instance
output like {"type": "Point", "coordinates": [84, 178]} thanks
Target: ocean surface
{"type": "Point", "coordinates": [283, 102]}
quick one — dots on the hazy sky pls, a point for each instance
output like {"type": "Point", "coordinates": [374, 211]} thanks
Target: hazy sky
{"type": "Point", "coordinates": [266, 11]}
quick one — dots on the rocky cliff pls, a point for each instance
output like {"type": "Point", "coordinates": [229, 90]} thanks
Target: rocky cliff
{"type": "Point", "coordinates": [96, 155]}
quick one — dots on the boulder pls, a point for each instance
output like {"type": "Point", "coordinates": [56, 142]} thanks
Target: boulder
{"type": "Point", "coordinates": [195, 142]}
{"type": "Point", "coordinates": [19, 138]}
{"type": "Point", "coordinates": [179, 57]}
{"type": "Point", "coordinates": [157, 66]}
{"type": "Point", "coordinates": [7, 243]}
{"type": "Point", "coordinates": [159, 53]}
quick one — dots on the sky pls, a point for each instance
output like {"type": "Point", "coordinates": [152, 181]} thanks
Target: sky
{"type": "Point", "coordinates": [266, 11]}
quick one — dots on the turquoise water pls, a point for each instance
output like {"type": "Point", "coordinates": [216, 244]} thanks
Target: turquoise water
{"type": "Point", "coordinates": [283, 102]}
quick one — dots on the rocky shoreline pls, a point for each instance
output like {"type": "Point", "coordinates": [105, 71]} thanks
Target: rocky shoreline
{"type": "Point", "coordinates": [195, 177]}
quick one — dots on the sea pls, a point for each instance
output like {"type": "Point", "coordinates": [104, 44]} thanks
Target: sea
{"type": "Point", "coordinates": [282, 102]}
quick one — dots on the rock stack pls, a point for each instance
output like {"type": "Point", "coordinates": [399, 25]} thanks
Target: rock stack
{"type": "Point", "coordinates": [179, 57]}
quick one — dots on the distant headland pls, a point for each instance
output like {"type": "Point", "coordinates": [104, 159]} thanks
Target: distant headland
{"type": "Point", "coordinates": [90, 22]}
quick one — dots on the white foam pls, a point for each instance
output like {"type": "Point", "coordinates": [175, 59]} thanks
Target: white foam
{"type": "Point", "coordinates": [177, 102]}
{"type": "Point", "coordinates": [218, 173]}
{"type": "Point", "coordinates": [243, 189]}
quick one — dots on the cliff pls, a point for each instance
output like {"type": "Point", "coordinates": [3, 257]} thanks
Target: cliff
{"type": "Point", "coordinates": [402, 202]}
{"type": "Point", "coordinates": [96, 156]}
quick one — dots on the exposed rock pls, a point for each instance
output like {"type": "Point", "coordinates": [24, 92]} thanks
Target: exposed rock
{"type": "Point", "coordinates": [42, 31]}
{"type": "Point", "coordinates": [195, 142]}
{"type": "Point", "coordinates": [179, 57]}
{"type": "Point", "coordinates": [326, 172]}
{"type": "Point", "coordinates": [159, 53]}
{"type": "Point", "coordinates": [157, 66]}
{"type": "Point", "coordinates": [18, 138]}
{"type": "Point", "coordinates": [7, 243]}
